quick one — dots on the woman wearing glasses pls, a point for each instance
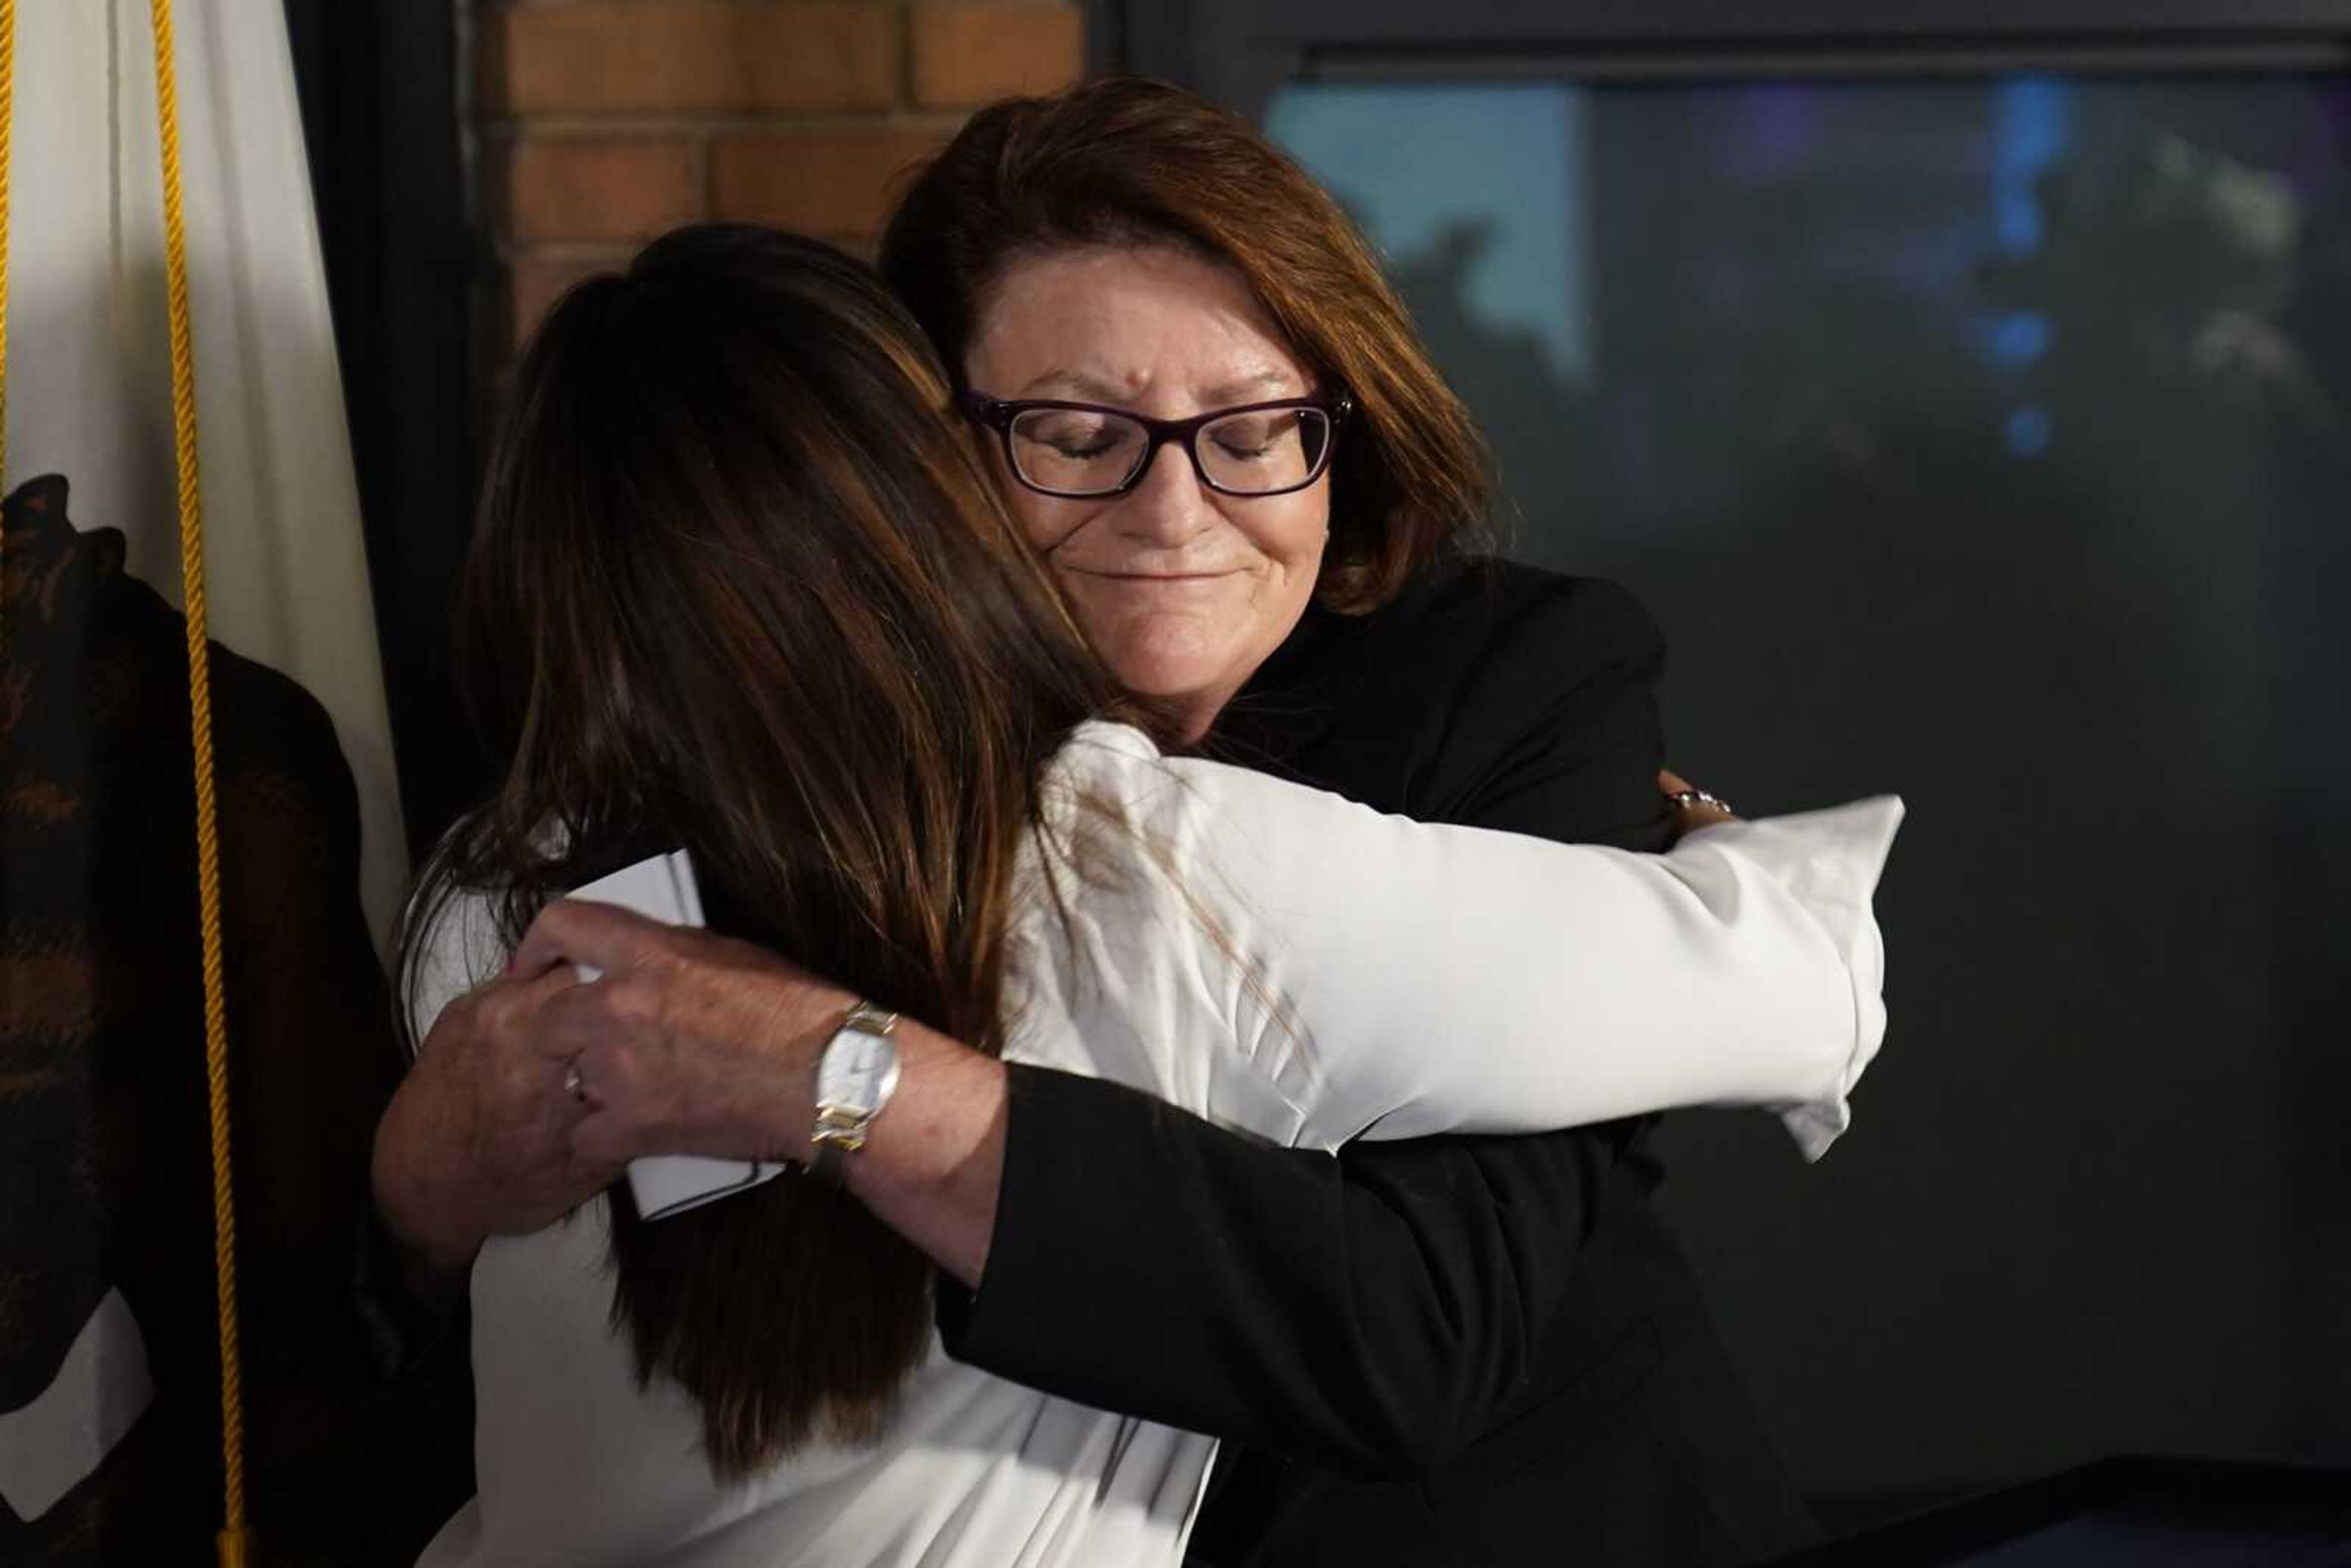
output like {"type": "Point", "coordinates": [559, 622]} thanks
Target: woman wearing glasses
{"type": "Point", "coordinates": [739, 584]}
{"type": "Point", "coordinates": [1451, 1350]}
{"type": "Point", "coordinates": [1217, 430]}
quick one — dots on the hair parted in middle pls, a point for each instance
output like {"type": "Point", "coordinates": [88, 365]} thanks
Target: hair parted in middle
{"type": "Point", "coordinates": [1124, 159]}
{"type": "Point", "coordinates": [738, 583]}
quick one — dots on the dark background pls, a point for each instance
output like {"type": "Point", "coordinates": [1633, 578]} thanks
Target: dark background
{"type": "Point", "coordinates": [2098, 1199]}
{"type": "Point", "coordinates": [407, 271]}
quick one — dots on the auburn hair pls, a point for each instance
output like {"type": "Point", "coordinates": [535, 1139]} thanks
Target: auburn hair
{"type": "Point", "coordinates": [738, 583]}
{"type": "Point", "coordinates": [1124, 159]}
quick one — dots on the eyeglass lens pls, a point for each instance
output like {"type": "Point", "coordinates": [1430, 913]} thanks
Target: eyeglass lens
{"type": "Point", "coordinates": [1086, 452]}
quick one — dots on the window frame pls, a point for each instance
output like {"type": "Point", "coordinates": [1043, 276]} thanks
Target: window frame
{"type": "Point", "coordinates": [1238, 53]}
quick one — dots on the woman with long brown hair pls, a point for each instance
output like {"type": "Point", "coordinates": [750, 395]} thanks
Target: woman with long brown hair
{"type": "Point", "coordinates": [740, 586]}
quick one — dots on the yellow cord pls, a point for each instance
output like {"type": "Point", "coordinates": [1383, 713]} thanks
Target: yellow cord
{"type": "Point", "coordinates": [232, 1541]}
{"type": "Point", "coordinates": [231, 1544]}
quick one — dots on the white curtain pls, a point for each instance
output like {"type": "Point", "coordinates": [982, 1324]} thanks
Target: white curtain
{"type": "Point", "coordinates": [89, 352]}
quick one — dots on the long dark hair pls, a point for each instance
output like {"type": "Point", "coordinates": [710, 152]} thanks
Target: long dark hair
{"type": "Point", "coordinates": [1124, 159]}
{"type": "Point", "coordinates": [738, 584]}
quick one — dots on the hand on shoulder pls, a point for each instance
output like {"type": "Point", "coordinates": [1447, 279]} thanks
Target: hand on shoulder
{"type": "Point", "coordinates": [685, 1043]}
{"type": "Point", "coordinates": [1693, 807]}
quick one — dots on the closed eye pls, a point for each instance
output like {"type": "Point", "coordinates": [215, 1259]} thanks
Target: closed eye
{"type": "Point", "coordinates": [1075, 447]}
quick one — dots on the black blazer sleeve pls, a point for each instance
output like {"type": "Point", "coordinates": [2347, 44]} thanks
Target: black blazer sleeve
{"type": "Point", "coordinates": [1374, 1313]}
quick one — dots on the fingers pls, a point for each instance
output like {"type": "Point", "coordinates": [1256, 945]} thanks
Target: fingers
{"type": "Point", "coordinates": [499, 1001]}
{"type": "Point", "coordinates": [493, 1016]}
{"type": "Point", "coordinates": [543, 963]}
{"type": "Point", "coordinates": [485, 1075]}
{"type": "Point", "coordinates": [527, 996]}
{"type": "Point", "coordinates": [564, 1028]}
{"type": "Point", "coordinates": [579, 1016]}
{"type": "Point", "coordinates": [603, 1142]}
{"type": "Point", "coordinates": [1692, 800]}
{"type": "Point", "coordinates": [582, 931]}
{"type": "Point", "coordinates": [1693, 807]}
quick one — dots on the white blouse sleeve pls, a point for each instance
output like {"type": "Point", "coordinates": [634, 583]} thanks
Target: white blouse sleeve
{"type": "Point", "coordinates": [1395, 979]}
{"type": "Point", "coordinates": [459, 949]}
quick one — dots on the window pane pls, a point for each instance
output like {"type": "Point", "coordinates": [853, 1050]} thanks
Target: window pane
{"type": "Point", "coordinates": [1988, 439]}
{"type": "Point", "coordinates": [1649, 291]}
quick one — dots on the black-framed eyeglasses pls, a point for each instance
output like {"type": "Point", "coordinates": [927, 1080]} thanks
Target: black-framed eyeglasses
{"type": "Point", "coordinates": [1085, 450]}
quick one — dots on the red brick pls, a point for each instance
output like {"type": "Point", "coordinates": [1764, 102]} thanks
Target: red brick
{"type": "Point", "coordinates": [802, 58]}
{"type": "Point", "coordinates": [968, 55]}
{"type": "Point", "coordinates": [614, 58]}
{"type": "Point", "coordinates": [829, 183]}
{"type": "Point", "coordinates": [606, 189]}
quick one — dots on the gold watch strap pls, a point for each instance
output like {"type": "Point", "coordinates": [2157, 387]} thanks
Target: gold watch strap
{"type": "Point", "coordinates": [840, 1129]}
{"type": "Point", "coordinates": [867, 1019]}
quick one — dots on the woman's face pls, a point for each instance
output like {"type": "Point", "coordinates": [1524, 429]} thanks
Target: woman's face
{"type": "Point", "coordinates": [1182, 590]}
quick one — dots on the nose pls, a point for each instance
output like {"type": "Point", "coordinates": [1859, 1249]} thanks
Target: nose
{"type": "Point", "coordinates": [1168, 507]}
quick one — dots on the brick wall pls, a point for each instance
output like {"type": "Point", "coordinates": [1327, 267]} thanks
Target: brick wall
{"type": "Point", "coordinates": [605, 122]}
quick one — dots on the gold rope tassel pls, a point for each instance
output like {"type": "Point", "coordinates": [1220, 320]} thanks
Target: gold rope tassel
{"type": "Point", "coordinates": [233, 1540]}
{"type": "Point", "coordinates": [231, 1543]}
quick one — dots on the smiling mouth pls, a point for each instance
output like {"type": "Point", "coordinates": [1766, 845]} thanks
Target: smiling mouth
{"type": "Point", "coordinates": [1157, 576]}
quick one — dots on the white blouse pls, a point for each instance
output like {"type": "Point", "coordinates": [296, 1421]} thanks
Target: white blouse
{"type": "Point", "coordinates": [1285, 963]}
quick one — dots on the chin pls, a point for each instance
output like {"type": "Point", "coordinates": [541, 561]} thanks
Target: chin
{"type": "Point", "coordinates": [1170, 680]}
{"type": "Point", "coordinates": [1170, 668]}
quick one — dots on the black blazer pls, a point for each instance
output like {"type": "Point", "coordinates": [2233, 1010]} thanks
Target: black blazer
{"type": "Point", "coordinates": [1472, 1351]}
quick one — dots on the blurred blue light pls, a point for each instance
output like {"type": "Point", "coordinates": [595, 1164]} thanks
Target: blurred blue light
{"type": "Point", "coordinates": [2030, 430]}
{"type": "Point", "coordinates": [2018, 219]}
{"type": "Point", "coordinates": [2020, 337]}
{"type": "Point", "coordinates": [2032, 128]}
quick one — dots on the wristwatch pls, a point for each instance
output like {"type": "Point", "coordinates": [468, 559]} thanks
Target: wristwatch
{"type": "Point", "coordinates": [854, 1079]}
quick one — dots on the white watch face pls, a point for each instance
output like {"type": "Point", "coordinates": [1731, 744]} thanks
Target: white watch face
{"type": "Point", "coordinates": [857, 1071]}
